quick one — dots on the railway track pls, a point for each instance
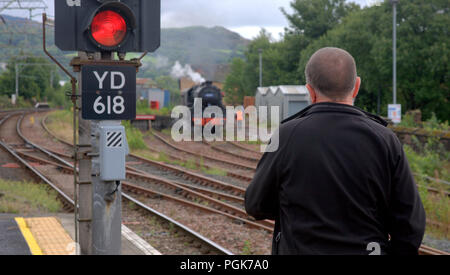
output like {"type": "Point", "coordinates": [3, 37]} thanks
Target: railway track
{"type": "Point", "coordinates": [185, 174]}
{"type": "Point", "coordinates": [233, 150]}
{"type": "Point", "coordinates": [228, 201]}
{"type": "Point", "coordinates": [229, 172]}
{"type": "Point", "coordinates": [426, 250]}
{"type": "Point", "coordinates": [17, 151]}
{"type": "Point", "coordinates": [135, 158]}
{"type": "Point", "coordinates": [48, 158]}
{"type": "Point", "coordinates": [139, 190]}
{"type": "Point", "coordinates": [235, 164]}
{"type": "Point", "coordinates": [177, 155]}
{"type": "Point", "coordinates": [213, 200]}
{"type": "Point", "coordinates": [245, 148]}
{"type": "Point", "coordinates": [179, 183]}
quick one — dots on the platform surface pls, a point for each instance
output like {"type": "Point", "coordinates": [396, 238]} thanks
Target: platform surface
{"type": "Point", "coordinates": [11, 240]}
{"type": "Point", "coordinates": [55, 236]}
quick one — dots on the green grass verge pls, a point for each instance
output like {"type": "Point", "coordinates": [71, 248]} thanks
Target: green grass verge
{"type": "Point", "coordinates": [437, 208]}
{"type": "Point", "coordinates": [431, 159]}
{"type": "Point", "coordinates": [27, 198]}
{"type": "Point", "coordinates": [61, 116]}
{"type": "Point", "coordinates": [60, 123]}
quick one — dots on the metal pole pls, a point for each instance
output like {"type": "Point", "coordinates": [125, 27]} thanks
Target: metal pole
{"type": "Point", "coordinates": [260, 68]}
{"type": "Point", "coordinates": [17, 81]}
{"type": "Point", "coordinates": [51, 79]}
{"type": "Point", "coordinates": [85, 192]}
{"type": "Point", "coordinates": [107, 202]}
{"type": "Point", "coordinates": [75, 165]}
{"type": "Point", "coordinates": [394, 38]}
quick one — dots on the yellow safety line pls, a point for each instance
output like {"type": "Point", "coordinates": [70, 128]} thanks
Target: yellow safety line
{"type": "Point", "coordinates": [31, 241]}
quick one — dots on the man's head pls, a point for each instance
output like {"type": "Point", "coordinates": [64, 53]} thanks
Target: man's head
{"type": "Point", "coordinates": [331, 76]}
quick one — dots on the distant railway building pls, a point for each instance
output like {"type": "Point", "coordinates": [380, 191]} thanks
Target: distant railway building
{"type": "Point", "coordinates": [156, 97]}
{"type": "Point", "coordinates": [260, 96]}
{"type": "Point", "coordinates": [290, 99]}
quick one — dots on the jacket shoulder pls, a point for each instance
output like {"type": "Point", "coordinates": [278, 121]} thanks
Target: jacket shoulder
{"type": "Point", "coordinates": [288, 127]}
{"type": "Point", "coordinates": [382, 132]}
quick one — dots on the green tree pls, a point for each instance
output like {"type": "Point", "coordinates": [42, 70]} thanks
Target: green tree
{"type": "Point", "coordinates": [423, 54]}
{"type": "Point", "coordinates": [36, 77]}
{"type": "Point", "coordinates": [313, 18]}
{"type": "Point", "coordinates": [273, 59]}
{"type": "Point", "coordinates": [423, 51]}
{"type": "Point", "coordinates": [234, 84]}
{"type": "Point", "coordinates": [357, 35]}
{"type": "Point", "coordinates": [168, 83]}
{"type": "Point", "coordinates": [310, 20]}
{"type": "Point", "coordinates": [423, 57]}
{"type": "Point", "coordinates": [57, 96]}
{"type": "Point", "coordinates": [251, 72]}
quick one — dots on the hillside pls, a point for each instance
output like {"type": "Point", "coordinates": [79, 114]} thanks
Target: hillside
{"type": "Point", "coordinates": [192, 45]}
{"type": "Point", "coordinates": [19, 36]}
{"type": "Point", "coordinates": [201, 45]}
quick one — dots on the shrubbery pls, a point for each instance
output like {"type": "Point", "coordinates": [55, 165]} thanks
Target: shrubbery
{"type": "Point", "coordinates": [432, 124]}
{"type": "Point", "coordinates": [431, 159]}
{"type": "Point", "coordinates": [134, 136]}
{"type": "Point", "coordinates": [5, 103]}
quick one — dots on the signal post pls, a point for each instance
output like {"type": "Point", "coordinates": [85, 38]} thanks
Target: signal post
{"type": "Point", "coordinates": [98, 29]}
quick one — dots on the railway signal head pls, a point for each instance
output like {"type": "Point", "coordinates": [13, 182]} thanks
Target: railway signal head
{"type": "Point", "coordinates": [108, 29]}
{"type": "Point", "coordinates": [108, 26]}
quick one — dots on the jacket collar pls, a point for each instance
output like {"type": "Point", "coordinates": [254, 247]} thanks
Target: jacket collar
{"type": "Point", "coordinates": [330, 107]}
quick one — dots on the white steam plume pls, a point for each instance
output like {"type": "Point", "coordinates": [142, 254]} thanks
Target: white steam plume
{"type": "Point", "coordinates": [178, 71]}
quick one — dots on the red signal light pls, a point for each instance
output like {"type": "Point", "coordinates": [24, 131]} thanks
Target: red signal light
{"type": "Point", "coordinates": [108, 28]}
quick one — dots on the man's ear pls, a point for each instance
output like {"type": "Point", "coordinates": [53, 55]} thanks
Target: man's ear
{"type": "Point", "coordinates": [357, 87]}
{"type": "Point", "coordinates": [312, 93]}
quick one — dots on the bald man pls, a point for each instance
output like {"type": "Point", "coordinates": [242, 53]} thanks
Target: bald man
{"type": "Point", "coordinates": [340, 182]}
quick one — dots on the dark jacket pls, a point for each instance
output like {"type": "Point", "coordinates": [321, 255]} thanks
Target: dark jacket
{"type": "Point", "coordinates": [339, 181]}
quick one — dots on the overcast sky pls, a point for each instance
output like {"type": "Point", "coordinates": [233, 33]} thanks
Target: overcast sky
{"type": "Point", "coordinates": [246, 17]}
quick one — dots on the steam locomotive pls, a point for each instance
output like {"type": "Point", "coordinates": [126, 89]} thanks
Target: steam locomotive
{"type": "Point", "coordinates": [210, 95]}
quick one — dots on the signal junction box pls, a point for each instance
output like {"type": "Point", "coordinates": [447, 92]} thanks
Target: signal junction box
{"type": "Point", "coordinates": [113, 152]}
